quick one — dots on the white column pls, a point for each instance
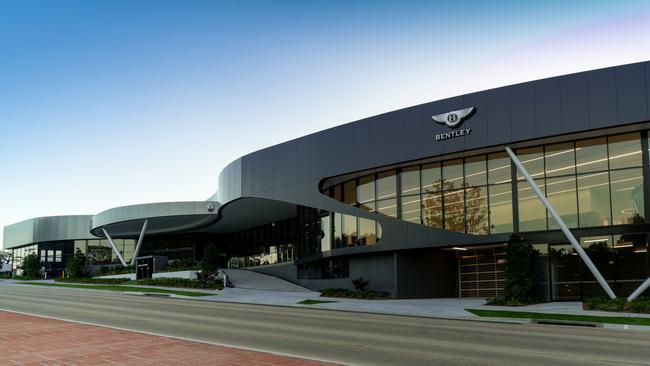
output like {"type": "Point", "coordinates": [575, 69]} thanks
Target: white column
{"type": "Point", "coordinates": [110, 240]}
{"type": "Point", "coordinates": [137, 247]}
{"type": "Point", "coordinates": [644, 286]}
{"type": "Point", "coordinates": [576, 246]}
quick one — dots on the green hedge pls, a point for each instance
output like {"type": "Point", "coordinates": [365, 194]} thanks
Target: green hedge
{"type": "Point", "coordinates": [177, 282]}
{"type": "Point", "coordinates": [118, 269]}
{"type": "Point", "coordinates": [352, 294]}
{"type": "Point", "coordinates": [95, 281]}
{"type": "Point", "coordinates": [166, 282]}
{"type": "Point", "coordinates": [638, 305]}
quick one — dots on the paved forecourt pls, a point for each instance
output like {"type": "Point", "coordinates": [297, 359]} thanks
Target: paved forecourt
{"type": "Point", "coordinates": [32, 340]}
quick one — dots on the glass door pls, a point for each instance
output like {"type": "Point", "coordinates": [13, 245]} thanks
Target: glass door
{"type": "Point", "coordinates": [565, 273]}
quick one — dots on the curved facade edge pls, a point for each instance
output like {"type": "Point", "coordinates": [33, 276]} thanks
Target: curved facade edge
{"type": "Point", "coordinates": [153, 210]}
{"type": "Point", "coordinates": [46, 229]}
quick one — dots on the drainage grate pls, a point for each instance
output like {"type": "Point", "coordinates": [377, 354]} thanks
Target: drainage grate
{"type": "Point", "coordinates": [574, 323]}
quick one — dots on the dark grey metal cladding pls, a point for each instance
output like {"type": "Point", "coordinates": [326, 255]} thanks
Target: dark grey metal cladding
{"type": "Point", "coordinates": [631, 93]}
{"type": "Point", "coordinates": [548, 106]}
{"type": "Point", "coordinates": [575, 102]}
{"type": "Point", "coordinates": [532, 110]}
{"type": "Point", "coordinates": [603, 108]}
{"type": "Point", "coordinates": [522, 111]}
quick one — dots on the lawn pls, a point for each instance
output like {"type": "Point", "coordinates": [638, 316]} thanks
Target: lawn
{"type": "Point", "coordinates": [122, 289]}
{"type": "Point", "coordinates": [545, 316]}
{"type": "Point", "coordinates": [313, 302]}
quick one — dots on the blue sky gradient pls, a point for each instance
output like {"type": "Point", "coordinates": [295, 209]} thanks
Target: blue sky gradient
{"type": "Point", "coordinates": [109, 103]}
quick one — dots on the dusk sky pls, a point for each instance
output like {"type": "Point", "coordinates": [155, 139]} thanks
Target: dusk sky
{"type": "Point", "coordinates": [110, 103]}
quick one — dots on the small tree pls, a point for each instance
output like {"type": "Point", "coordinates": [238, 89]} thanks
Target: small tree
{"type": "Point", "coordinates": [210, 261]}
{"type": "Point", "coordinates": [518, 268]}
{"type": "Point", "coordinates": [31, 266]}
{"type": "Point", "coordinates": [76, 265]}
{"type": "Point", "coordinates": [6, 256]}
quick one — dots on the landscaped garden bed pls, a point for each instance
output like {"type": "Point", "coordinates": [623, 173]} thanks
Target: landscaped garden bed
{"type": "Point", "coordinates": [638, 305]}
{"type": "Point", "coordinates": [355, 294]}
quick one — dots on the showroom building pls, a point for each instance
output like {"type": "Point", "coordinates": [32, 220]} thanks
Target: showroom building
{"type": "Point", "coordinates": [420, 201]}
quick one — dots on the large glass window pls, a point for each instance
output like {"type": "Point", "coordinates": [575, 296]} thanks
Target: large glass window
{"type": "Point", "coordinates": [591, 155]}
{"type": "Point", "coordinates": [366, 193]}
{"type": "Point", "coordinates": [559, 159]}
{"type": "Point", "coordinates": [326, 228]}
{"type": "Point", "coordinates": [475, 171]}
{"type": "Point", "coordinates": [591, 183]}
{"type": "Point", "coordinates": [411, 208]}
{"type": "Point", "coordinates": [593, 199]}
{"type": "Point", "coordinates": [337, 231]}
{"type": "Point", "coordinates": [500, 208]}
{"type": "Point", "coordinates": [454, 210]}
{"type": "Point", "coordinates": [532, 213]}
{"type": "Point", "coordinates": [410, 181]}
{"type": "Point", "coordinates": [431, 178]}
{"type": "Point", "coordinates": [498, 168]}
{"type": "Point", "coordinates": [476, 210]}
{"type": "Point", "coordinates": [386, 185]}
{"type": "Point", "coordinates": [367, 232]}
{"type": "Point", "coordinates": [350, 192]}
{"type": "Point", "coordinates": [627, 196]}
{"type": "Point", "coordinates": [624, 151]}
{"type": "Point", "coordinates": [432, 209]}
{"type": "Point", "coordinates": [349, 230]}
{"type": "Point", "coordinates": [533, 161]}
{"type": "Point", "coordinates": [561, 193]}
{"type": "Point", "coordinates": [452, 173]}
{"type": "Point", "coordinates": [387, 193]}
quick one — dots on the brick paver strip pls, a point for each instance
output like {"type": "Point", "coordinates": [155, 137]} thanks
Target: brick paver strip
{"type": "Point", "coordinates": [31, 340]}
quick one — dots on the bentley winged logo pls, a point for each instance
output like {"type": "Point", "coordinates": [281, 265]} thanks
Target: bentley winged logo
{"type": "Point", "coordinates": [453, 119]}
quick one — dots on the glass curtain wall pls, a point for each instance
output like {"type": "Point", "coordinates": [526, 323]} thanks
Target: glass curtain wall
{"type": "Point", "coordinates": [591, 183]}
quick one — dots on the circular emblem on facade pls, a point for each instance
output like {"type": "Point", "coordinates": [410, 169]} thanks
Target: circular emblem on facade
{"type": "Point", "coordinates": [452, 117]}
{"type": "Point", "coordinates": [211, 207]}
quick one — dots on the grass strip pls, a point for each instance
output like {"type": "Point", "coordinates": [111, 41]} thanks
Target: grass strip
{"type": "Point", "coordinates": [122, 289]}
{"type": "Point", "coordinates": [313, 302]}
{"type": "Point", "coordinates": [546, 316]}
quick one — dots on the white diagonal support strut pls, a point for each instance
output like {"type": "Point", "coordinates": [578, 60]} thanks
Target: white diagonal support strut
{"type": "Point", "coordinates": [644, 286]}
{"type": "Point", "coordinates": [137, 247]}
{"type": "Point", "coordinates": [576, 246]}
{"type": "Point", "coordinates": [110, 240]}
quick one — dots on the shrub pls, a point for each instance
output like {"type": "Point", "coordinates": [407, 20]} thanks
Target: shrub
{"type": "Point", "coordinates": [76, 265]}
{"type": "Point", "coordinates": [178, 282]}
{"type": "Point", "coordinates": [117, 269]}
{"type": "Point", "coordinates": [347, 293]}
{"type": "Point", "coordinates": [520, 277]}
{"type": "Point", "coordinates": [169, 282]}
{"type": "Point", "coordinates": [31, 266]}
{"type": "Point", "coordinates": [502, 301]}
{"type": "Point", "coordinates": [638, 305]}
{"type": "Point", "coordinates": [180, 265]}
{"type": "Point", "coordinates": [360, 284]}
{"type": "Point", "coordinates": [206, 278]}
{"type": "Point", "coordinates": [95, 281]}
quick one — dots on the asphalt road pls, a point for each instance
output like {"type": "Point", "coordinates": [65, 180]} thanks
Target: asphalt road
{"type": "Point", "coordinates": [347, 338]}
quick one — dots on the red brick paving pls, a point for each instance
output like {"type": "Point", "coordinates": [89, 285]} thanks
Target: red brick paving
{"type": "Point", "coordinates": [30, 340]}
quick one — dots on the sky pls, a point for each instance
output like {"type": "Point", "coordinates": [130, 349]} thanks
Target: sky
{"type": "Point", "coordinates": [111, 103]}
